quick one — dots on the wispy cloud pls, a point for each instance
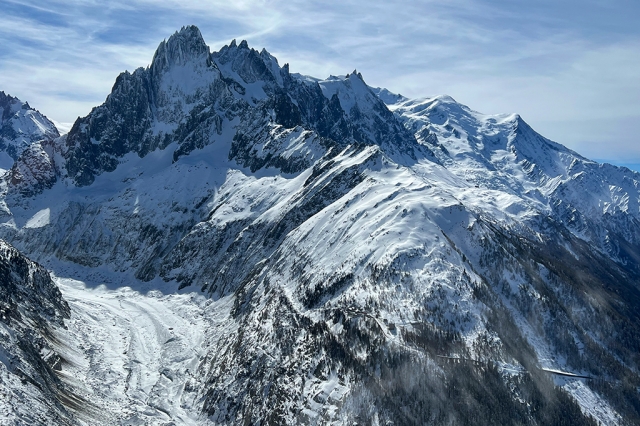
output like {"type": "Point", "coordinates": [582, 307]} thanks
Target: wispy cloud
{"type": "Point", "coordinates": [570, 68]}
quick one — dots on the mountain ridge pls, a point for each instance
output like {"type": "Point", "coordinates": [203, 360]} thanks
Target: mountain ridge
{"type": "Point", "coordinates": [353, 246]}
{"type": "Point", "coordinates": [20, 126]}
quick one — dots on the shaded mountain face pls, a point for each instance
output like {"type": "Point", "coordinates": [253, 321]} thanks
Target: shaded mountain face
{"type": "Point", "coordinates": [187, 95]}
{"type": "Point", "coordinates": [31, 306]}
{"type": "Point", "coordinates": [412, 261]}
{"type": "Point", "coordinates": [20, 126]}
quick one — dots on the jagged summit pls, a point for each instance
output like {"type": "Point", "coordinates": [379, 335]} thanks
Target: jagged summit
{"type": "Point", "coordinates": [248, 65]}
{"type": "Point", "coordinates": [188, 94]}
{"type": "Point", "coordinates": [357, 74]}
{"type": "Point", "coordinates": [20, 126]}
{"type": "Point", "coordinates": [6, 101]}
{"type": "Point", "coordinates": [183, 46]}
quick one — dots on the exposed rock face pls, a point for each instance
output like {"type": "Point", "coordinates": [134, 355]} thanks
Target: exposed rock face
{"type": "Point", "coordinates": [20, 126]}
{"type": "Point", "coordinates": [35, 172]}
{"type": "Point", "coordinates": [186, 94]}
{"type": "Point", "coordinates": [30, 307]}
{"type": "Point", "coordinates": [411, 262]}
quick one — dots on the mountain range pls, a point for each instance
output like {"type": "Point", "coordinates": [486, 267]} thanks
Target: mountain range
{"type": "Point", "coordinates": [224, 241]}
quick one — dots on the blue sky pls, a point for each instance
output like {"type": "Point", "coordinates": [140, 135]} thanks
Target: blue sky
{"type": "Point", "coordinates": [570, 68]}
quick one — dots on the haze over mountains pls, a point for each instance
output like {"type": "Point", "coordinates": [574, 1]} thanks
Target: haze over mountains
{"type": "Point", "coordinates": [278, 248]}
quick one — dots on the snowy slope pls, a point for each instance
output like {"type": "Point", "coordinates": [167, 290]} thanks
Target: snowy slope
{"type": "Point", "coordinates": [132, 354]}
{"type": "Point", "coordinates": [31, 309]}
{"type": "Point", "coordinates": [347, 251]}
{"type": "Point", "coordinates": [20, 126]}
{"type": "Point", "coordinates": [501, 158]}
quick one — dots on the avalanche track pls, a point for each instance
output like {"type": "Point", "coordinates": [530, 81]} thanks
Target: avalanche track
{"type": "Point", "coordinates": [133, 355]}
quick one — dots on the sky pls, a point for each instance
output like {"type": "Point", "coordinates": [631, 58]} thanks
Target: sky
{"type": "Point", "coordinates": [570, 68]}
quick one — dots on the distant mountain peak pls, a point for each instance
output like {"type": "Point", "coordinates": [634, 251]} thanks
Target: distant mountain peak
{"type": "Point", "coordinates": [355, 74]}
{"type": "Point", "coordinates": [387, 96]}
{"type": "Point", "coordinates": [5, 98]}
{"type": "Point", "coordinates": [20, 126]}
{"type": "Point", "coordinates": [183, 46]}
{"type": "Point", "coordinates": [249, 64]}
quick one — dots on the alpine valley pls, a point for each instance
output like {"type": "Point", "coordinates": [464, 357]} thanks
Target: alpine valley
{"type": "Point", "coordinates": [225, 242]}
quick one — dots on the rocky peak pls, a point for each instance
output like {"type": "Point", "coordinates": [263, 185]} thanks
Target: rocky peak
{"type": "Point", "coordinates": [6, 104]}
{"type": "Point", "coordinates": [356, 74]}
{"type": "Point", "coordinates": [183, 46]}
{"type": "Point", "coordinates": [20, 126]}
{"type": "Point", "coordinates": [35, 172]}
{"type": "Point", "coordinates": [246, 63]}
{"type": "Point", "coordinates": [543, 158]}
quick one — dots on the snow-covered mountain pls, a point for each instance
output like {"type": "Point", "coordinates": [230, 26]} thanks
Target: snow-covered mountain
{"type": "Point", "coordinates": [596, 202]}
{"type": "Point", "coordinates": [31, 306]}
{"type": "Point", "coordinates": [363, 257]}
{"type": "Point", "coordinates": [20, 126]}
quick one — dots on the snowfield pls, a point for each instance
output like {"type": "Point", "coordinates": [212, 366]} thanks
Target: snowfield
{"type": "Point", "coordinates": [131, 354]}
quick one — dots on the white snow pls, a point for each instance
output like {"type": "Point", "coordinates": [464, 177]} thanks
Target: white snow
{"type": "Point", "coordinates": [590, 403]}
{"type": "Point", "coordinates": [39, 219]}
{"type": "Point", "coordinates": [351, 91]}
{"type": "Point", "coordinates": [131, 351]}
{"type": "Point", "coordinates": [27, 125]}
